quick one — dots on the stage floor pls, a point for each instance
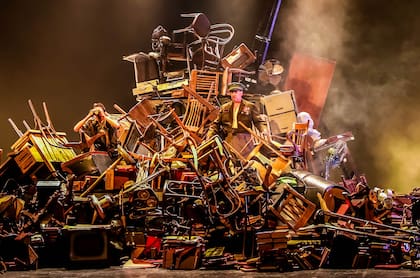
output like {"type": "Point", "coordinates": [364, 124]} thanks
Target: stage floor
{"type": "Point", "coordinates": [159, 272]}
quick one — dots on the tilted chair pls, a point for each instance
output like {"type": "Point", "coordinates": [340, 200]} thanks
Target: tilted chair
{"type": "Point", "coordinates": [205, 83]}
{"type": "Point", "coordinates": [206, 50]}
{"type": "Point", "coordinates": [298, 137]}
{"type": "Point", "coordinates": [211, 49]}
{"type": "Point", "coordinates": [198, 113]}
{"type": "Point", "coordinates": [269, 166]}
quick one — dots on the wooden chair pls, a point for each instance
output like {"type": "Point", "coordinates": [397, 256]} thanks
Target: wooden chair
{"type": "Point", "coordinates": [269, 168]}
{"type": "Point", "coordinates": [198, 113]}
{"type": "Point", "coordinates": [205, 51]}
{"type": "Point", "coordinates": [231, 74]}
{"type": "Point", "coordinates": [141, 113]}
{"type": "Point", "coordinates": [293, 208]}
{"type": "Point", "coordinates": [205, 83]}
{"type": "Point", "coordinates": [298, 137]}
{"type": "Point", "coordinates": [208, 55]}
{"type": "Point", "coordinates": [194, 115]}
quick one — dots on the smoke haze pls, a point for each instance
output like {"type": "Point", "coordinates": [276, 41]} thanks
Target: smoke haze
{"type": "Point", "coordinates": [374, 92]}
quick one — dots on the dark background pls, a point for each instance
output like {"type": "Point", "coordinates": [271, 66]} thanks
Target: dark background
{"type": "Point", "coordinates": [68, 54]}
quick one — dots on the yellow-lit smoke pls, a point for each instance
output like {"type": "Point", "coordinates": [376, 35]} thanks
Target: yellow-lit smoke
{"type": "Point", "coordinates": [373, 93]}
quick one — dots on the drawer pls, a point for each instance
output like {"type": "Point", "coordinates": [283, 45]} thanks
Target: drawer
{"type": "Point", "coordinates": [282, 123]}
{"type": "Point", "coordinates": [279, 103]}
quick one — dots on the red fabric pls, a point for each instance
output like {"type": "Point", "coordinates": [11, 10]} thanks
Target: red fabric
{"type": "Point", "coordinates": [152, 242]}
{"type": "Point", "coordinates": [310, 77]}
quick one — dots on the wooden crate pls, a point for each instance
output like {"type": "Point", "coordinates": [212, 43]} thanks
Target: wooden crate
{"type": "Point", "coordinates": [240, 58]}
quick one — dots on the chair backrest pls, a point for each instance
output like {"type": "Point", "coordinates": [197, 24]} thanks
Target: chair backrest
{"type": "Point", "coordinates": [198, 112]}
{"type": "Point", "coordinates": [206, 48]}
{"type": "Point", "coordinates": [221, 34]}
{"type": "Point", "coordinates": [205, 83]}
{"type": "Point", "coordinates": [207, 51]}
{"type": "Point", "coordinates": [201, 25]}
{"type": "Point", "coordinates": [298, 136]}
{"type": "Point", "coordinates": [257, 139]}
{"type": "Point", "coordinates": [233, 75]}
{"type": "Point", "coordinates": [140, 113]}
{"type": "Point", "coordinates": [194, 114]}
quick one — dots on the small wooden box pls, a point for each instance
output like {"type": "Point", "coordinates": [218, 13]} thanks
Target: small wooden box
{"type": "Point", "coordinates": [240, 58]}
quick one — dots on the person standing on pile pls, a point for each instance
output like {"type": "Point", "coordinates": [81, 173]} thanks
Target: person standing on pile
{"type": "Point", "coordinates": [98, 130]}
{"type": "Point", "coordinates": [231, 114]}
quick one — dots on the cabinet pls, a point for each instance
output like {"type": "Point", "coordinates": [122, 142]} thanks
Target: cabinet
{"type": "Point", "coordinates": [281, 110]}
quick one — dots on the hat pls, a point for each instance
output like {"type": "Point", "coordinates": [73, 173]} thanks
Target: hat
{"type": "Point", "coordinates": [236, 86]}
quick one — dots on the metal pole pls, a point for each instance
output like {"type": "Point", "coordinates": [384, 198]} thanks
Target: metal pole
{"type": "Point", "coordinates": [270, 33]}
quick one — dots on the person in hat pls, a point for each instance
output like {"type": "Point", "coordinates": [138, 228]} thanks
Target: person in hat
{"type": "Point", "coordinates": [231, 114]}
{"type": "Point", "coordinates": [98, 130]}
